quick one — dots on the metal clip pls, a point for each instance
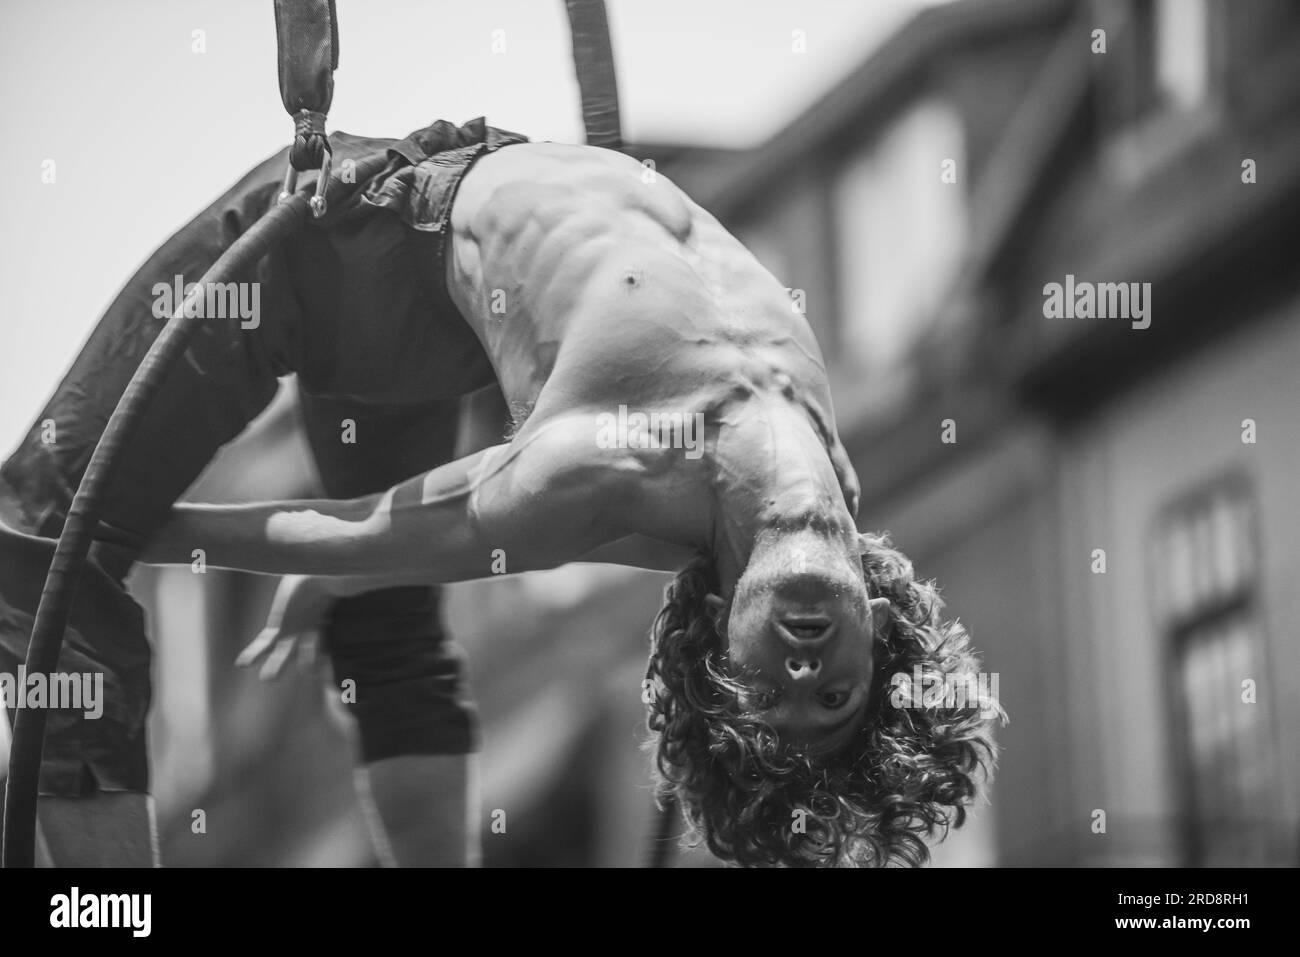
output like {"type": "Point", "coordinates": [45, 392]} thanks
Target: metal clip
{"type": "Point", "coordinates": [318, 204]}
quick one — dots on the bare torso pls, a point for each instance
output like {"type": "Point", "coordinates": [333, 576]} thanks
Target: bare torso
{"type": "Point", "coordinates": [592, 281]}
{"type": "Point", "coordinates": [593, 285]}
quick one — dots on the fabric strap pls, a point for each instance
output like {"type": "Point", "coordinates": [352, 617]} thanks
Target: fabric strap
{"type": "Point", "coordinates": [307, 42]}
{"type": "Point", "coordinates": [593, 60]}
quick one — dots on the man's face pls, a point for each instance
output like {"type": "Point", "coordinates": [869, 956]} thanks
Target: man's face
{"type": "Point", "coordinates": [800, 633]}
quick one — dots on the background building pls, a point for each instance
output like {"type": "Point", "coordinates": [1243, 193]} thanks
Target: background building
{"type": "Point", "coordinates": [1112, 511]}
{"type": "Point", "coordinates": [992, 148]}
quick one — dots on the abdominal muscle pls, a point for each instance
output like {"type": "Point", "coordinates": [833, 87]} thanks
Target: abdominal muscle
{"type": "Point", "coordinates": [592, 282]}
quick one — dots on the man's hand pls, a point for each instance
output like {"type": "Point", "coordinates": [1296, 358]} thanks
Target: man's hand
{"type": "Point", "coordinates": [297, 612]}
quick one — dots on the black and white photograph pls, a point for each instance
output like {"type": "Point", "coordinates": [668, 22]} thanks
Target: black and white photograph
{"type": "Point", "coordinates": [651, 434]}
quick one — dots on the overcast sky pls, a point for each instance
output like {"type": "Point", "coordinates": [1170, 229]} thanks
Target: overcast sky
{"type": "Point", "coordinates": [145, 132]}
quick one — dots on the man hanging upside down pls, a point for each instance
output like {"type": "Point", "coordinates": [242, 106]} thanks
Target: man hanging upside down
{"type": "Point", "coordinates": [602, 302]}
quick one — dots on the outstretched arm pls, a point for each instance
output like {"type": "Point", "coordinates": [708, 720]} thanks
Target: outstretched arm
{"type": "Point", "coordinates": [641, 551]}
{"type": "Point", "coordinates": [543, 500]}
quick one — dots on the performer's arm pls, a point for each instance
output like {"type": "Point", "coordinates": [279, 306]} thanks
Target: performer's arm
{"type": "Point", "coordinates": [543, 500]}
{"type": "Point", "coordinates": [633, 551]}
{"type": "Point", "coordinates": [641, 551]}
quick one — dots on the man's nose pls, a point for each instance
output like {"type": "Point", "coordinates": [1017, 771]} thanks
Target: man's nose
{"type": "Point", "coordinates": [803, 669]}
{"type": "Point", "coordinates": [806, 644]}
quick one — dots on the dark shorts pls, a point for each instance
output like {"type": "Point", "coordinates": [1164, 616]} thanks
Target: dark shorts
{"type": "Point", "coordinates": [356, 305]}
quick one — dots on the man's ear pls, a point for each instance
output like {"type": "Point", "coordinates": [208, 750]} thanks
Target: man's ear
{"type": "Point", "coordinates": [880, 614]}
{"type": "Point", "coordinates": [715, 605]}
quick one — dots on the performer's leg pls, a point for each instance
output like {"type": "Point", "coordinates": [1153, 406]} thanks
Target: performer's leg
{"type": "Point", "coordinates": [104, 830]}
{"type": "Point", "coordinates": [94, 807]}
{"type": "Point", "coordinates": [427, 808]}
{"type": "Point", "coordinates": [416, 728]}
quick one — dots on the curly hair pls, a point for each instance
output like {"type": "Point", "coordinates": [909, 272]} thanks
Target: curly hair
{"type": "Point", "coordinates": [907, 776]}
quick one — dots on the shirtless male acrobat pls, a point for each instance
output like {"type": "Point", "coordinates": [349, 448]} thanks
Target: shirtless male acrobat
{"type": "Point", "coordinates": [597, 297]}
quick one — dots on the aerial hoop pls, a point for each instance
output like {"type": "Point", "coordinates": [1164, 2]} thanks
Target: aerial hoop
{"type": "Point", "coordinates": [83, 517]}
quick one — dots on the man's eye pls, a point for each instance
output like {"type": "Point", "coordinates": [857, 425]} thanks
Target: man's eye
{"type": "Point", "coordinates": [833, 699]}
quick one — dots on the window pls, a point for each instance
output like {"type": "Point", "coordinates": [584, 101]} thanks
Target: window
{"type": "Point", "coordinates": [901, 233]}
{"type": "Point", "coordinates": [1207, 606]}
{"type": "Point", "coordinates": [1182, 52]}
{"type": "Point", "coordinates": [1161, 95]}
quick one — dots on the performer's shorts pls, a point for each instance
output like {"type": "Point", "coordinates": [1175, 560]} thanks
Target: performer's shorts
{"type": "Point", "coordinates": [356, 305]}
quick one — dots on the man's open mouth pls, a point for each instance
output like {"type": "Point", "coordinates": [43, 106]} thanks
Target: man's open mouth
{"type": "Point", "coordinates": [806, 627]}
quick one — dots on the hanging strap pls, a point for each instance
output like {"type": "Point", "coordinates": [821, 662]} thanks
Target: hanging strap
{"type": "Point", "coordinates": [593, 60]}
{"type": "Point", "coordinates": [307, 44]}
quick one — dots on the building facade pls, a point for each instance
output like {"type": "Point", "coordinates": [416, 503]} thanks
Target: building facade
{"type": "Point", "coordinates": [1105, 489]}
